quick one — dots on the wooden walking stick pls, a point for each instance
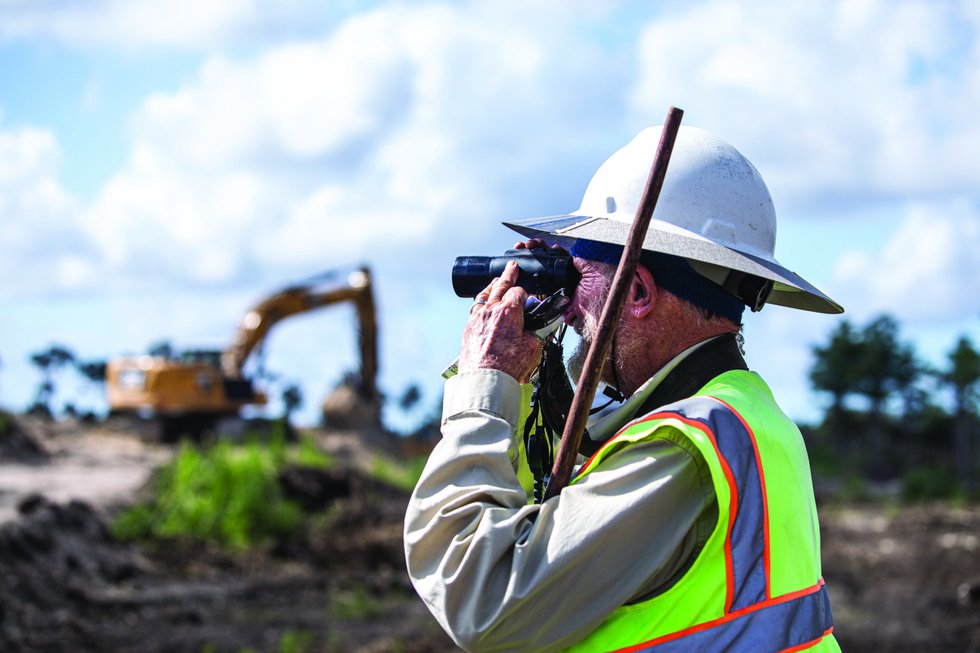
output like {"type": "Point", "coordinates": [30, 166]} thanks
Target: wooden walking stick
{"type": "Point", "coordinates": [599, 350]}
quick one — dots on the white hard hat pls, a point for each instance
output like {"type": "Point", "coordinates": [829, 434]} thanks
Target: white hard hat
{"type": "Point", "coordinates": [714, 210]}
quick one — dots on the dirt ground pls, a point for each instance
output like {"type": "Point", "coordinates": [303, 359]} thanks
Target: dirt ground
{"type": "Point", "coordinates": [67, 585]}
{"type": "Point", "coordinates": [901, 578]}
{"type": "Point", "coordinates": [904, 578]}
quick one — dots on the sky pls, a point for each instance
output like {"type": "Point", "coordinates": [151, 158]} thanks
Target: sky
{"type": "Point", "coordinates": [165, 165]}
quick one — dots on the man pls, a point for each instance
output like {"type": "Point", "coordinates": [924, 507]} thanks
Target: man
{"type": "Point", "coordinates": [692, 527]}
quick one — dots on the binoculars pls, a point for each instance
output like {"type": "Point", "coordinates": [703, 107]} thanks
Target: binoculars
{"type": "Point", "coordinates": [543, 271]}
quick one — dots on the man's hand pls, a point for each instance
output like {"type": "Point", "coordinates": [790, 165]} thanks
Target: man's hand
{"type": "Point", "coordinates": [535, 243]}
{"type": "Point", "coordinates": [494, 337]}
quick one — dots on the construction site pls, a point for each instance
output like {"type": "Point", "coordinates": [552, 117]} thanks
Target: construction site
{"type": "Point", "coordinates": [175, 524]}
{"type": "Point", "coordinates": [189, 517]}
{"type": "Point", "coordinates": [900, 578]}
{"type": "Point", "coordinates": [69, 584]}
{"type": "Point", "coordinates": [422, 327]}
{"type": "Point", "coordinates": [179, 521]}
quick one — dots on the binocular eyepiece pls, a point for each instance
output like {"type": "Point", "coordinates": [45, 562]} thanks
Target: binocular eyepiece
{"type": "Point", "coordinates": [542, 271]}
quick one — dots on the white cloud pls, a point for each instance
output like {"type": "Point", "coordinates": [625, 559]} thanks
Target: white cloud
{"type": "Point", "coordinates": [27, 154]}
{"type": "Point", "coordinates": [152, 23]}
{"type": "Point", "coordinates": [42, 246]}
{"type": "Point", "coordinates": [379, 140]}
{"type": "Point", "coordinates": [929, 270]}
{"type": "Point", "coordinates": [835, 102]}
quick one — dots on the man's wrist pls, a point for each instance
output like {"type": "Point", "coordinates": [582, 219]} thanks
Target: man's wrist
{"type": "Point", "coordinates": [486, 390]}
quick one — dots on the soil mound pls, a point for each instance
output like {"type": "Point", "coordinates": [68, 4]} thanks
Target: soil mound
{"type": "Point", "coordinates": [67, 585]}
{"type": "Point", "coordinates": [52, 560]}
{"type": "Point", "coordinates": [17, 442]}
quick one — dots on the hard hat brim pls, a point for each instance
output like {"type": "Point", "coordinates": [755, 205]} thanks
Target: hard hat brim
{"type": "Point", "coordinates": [789, 288]}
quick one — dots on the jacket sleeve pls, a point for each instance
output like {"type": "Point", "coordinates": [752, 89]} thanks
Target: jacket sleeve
{"type": "Point", "coordinates": [501, 575]}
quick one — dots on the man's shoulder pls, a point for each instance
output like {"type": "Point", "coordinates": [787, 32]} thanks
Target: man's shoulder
{"type": "Point", "coordinates": [723, 392]}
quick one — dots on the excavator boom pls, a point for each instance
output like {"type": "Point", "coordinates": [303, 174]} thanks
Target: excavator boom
{"type": "Point", "coordinates": [296, 299]}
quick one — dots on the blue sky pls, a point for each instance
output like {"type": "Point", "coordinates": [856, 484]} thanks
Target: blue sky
{"type": "Point", "coordinates": [163, 166]}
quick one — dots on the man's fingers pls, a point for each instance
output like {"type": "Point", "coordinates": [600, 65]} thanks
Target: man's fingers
{"type": "Point", "coordinates": [515, 296]}
{"type": "Point", "coordinates": [506, 281]}
{"type": "Point", "coordinates": [531, 243]}
{"type": "Point", "coordinates": [494, 337]}
{"type": "Point", "coordinates": [484, 294]}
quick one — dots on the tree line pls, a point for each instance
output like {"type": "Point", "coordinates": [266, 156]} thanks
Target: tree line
{"type": "Point", "coordinates": [890, 414]}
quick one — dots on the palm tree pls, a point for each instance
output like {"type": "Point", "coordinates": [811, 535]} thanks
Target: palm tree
{"type": "Point", "coordinates": [48, 361]}
{"type": "Point", "coordinates": [292, 398]}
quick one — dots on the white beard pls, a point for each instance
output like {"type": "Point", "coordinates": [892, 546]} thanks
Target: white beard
{"type": "Point", "coordinates": [586, 329]}
{"type": "Point", "coordinates": [576, 361]}
{"type": "Point", "coordinates": [629, 343]}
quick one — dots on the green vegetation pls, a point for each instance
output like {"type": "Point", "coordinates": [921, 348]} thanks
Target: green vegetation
{"type": "Point", "coordinates": [308, 454]}
{"type": "Point", "coordinates": [227, 494]}
{"type": "Point", "coordinates": [890, 420]}
{"type": "Point", "coordinates": [296, 641]}
{"type": "Point", "coordinates": [292, 641]}
{"type": "Point", "coordinates": [401, 475]}
{"type": "Point", "coordinates": [929, 484]}
{"type": "Point", "coordinates": [356, 603]}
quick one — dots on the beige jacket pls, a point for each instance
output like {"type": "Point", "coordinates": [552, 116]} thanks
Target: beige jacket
{"type": "Point", "coordinates": [502, 575]}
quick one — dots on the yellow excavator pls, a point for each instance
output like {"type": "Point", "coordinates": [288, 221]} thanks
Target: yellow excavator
{"type": "Point", "coordinates": [187, 395]}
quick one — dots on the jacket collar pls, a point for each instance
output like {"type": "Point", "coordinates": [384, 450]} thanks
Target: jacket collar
{"type": "Point", "coordinates": [715, 357]}
{"type": "Point", "coordinates": [680, 379]}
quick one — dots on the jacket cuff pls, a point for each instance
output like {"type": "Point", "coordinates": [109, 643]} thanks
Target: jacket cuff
{"type": "Point", "coordinates": [489, 391]}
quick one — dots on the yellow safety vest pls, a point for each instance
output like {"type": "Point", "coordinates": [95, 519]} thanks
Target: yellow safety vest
{"type": "Point", "coordinates": [756, 586]}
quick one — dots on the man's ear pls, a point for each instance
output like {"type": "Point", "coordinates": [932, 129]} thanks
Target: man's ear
{"type": "Point", "coordinates": [643, 293]}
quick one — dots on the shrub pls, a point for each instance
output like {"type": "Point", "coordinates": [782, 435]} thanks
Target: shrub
{"type": "Point", "coordinates": [308, 454]}
{"type": "Point", "coordinates": [227, 494]}
{"type": "Point", "coordinates": [356, 603]}
{"type": "Point", "coordinates": [929, 484]}
{"type": "Point", "coordinates": [401, 475]}
{"type": "Point", "coordinates": [296, 642]}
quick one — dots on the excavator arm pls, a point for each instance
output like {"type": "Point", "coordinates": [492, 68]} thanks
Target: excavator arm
{"type": "Point", "coordinates": [295, 299]}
